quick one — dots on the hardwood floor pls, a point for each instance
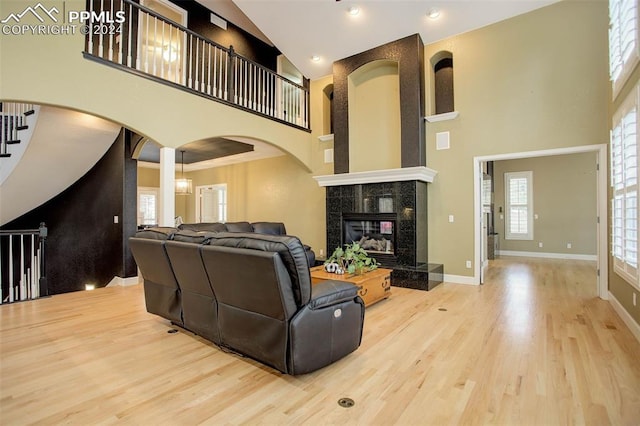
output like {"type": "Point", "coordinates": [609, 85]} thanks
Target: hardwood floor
{"type": "Point", "coordinates": [533, 346]}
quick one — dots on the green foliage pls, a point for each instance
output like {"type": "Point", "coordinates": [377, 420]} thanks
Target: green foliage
{"type": "Point", "coordinates": [353, 259]}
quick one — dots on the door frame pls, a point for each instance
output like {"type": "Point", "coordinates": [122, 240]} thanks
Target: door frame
{"type": "Point", "coordinates": [197, 197]}
{"type": "Point", "coordinates": [601, 206]}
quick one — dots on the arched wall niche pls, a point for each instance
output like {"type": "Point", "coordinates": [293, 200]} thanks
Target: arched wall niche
{"type": "Point", "coordinates": [408, 53]}
{"type": "Point", "coordinates": [327, 109]}
{"type": "Point", "coordinates": [441, 77]}
{"type": "Point", "coordinates": [374, 117]}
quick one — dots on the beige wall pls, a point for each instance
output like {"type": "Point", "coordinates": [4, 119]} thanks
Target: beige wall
{"type": "Point", "coordinates": [275, 189]}
{"type": "Point", "coordinates": [534, 82]}
{"type": "Point", "coordinates": [148, 177]}
{"type": "Point", "coordinates": [564, 198]}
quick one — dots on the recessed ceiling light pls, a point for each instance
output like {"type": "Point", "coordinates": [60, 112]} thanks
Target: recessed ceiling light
{"type": "Point", "coordinates": [354, 10]}
{"type": "Point", "coordinates": [433, 13]}
{"type": "Point", "coordinates": [315, 58]}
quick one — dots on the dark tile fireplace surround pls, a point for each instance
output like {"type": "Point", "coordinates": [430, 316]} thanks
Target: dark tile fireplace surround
{"type": "Point", "coordinates": [401, 208]}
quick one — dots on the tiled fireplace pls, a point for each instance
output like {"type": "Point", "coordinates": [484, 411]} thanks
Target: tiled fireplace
{"type": "Point", "coordinates": [389, 218]}
{"type": "Point", "coordinates": [384, 209]}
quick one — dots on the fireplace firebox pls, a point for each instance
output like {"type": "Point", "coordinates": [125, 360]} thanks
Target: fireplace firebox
{"type": "Point", "coordinates": [375, 232]}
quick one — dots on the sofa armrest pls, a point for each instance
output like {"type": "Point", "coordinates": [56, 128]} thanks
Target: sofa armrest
{"type": "Point", "coordinates": [326, 329]}
{"type": "Point", "coordinates": [328, 293]}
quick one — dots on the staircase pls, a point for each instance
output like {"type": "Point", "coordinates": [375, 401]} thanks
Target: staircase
{"type": "Point", "coordinates": [62, 146]}
{"type": "Point", "coordinates": [13, 119]}
{"type": "Point", "coordinates": [17, 121]}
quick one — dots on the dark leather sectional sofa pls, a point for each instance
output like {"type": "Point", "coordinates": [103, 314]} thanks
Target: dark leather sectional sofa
{"type": "Point", "coordinates": [251, 293]}
{"type": "Point", "coordinates": [270, 228]}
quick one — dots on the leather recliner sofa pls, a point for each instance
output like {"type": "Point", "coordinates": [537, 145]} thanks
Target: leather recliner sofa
{"type": "Point", "coordinates": [271, 228]}
{"type": "Point", "coordinates": [251, 293]}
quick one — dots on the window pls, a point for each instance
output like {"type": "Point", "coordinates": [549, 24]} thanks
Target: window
{"type": "Point", "coordinates": [519, 201]}
{"type": "Point", "coordinates": [147, 206]}
{"type": "Point", "coordinates": [623, 40]}
{"type": "Point", "coordinates": [624, 182]}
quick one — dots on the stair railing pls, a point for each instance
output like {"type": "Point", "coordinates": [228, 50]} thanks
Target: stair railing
{"type": "Point", "coordinates": [22, 264]}
{"type": "Point", "coordinates": [13, 118]}
{"type": "Point", "coordinates": [151, 45]}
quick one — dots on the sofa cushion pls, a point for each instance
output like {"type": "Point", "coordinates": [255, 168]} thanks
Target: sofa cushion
{"type": "Point", "coordinates": [189, 236]}
{"type": "Point", "coordinates": [157, 233]}
{"type": "Point", "coordinates": [239, 227]}
{"type": "Point", "coordinates": [289, 248]}
{"type": "Point", "coordinates": [210, 227]}
{"type": "Point", "coordinates": [271, 228]}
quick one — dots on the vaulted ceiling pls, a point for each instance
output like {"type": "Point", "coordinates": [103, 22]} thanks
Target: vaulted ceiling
{"type": "Point", "coordinates": [302, 29]}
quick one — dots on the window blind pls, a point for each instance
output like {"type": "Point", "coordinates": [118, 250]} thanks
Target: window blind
{"type": "Point", "coordinates": [519, 224]}
{"type": "Point", "coordinates": [624, 182]}
{"type": "Point", "coordinates": [623, 40]}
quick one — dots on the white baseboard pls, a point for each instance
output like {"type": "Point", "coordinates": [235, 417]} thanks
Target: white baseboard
{"type": "Point", "coordinates": [625, 316]}
{"type": "Point", "coordinates": [123, 282]}
{"type": "Point", "coordinates": [460, 279]}
{"type": "Point", "coordinates": [569, 256]}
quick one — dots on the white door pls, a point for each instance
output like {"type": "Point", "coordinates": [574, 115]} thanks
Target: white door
{"type": "Point", "coordinates": [211, 203]}
{"type": "Point", "coordinates": [147, 206]}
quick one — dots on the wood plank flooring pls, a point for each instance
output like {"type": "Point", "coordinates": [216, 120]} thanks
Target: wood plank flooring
{"type": "Point", "coordinates": [533, 346]}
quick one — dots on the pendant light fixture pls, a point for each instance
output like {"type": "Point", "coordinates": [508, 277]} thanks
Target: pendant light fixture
{"type": "Point", "coordinates": [183, 186]}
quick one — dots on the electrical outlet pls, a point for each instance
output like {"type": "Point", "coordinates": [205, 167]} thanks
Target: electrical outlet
{"type": "Point", "coordinates": [540, 244]}
{"type": "Point", "coordinates": [634, 299]}
{"type": "Point", "coordinates": [501, 217]}
{"type": "Point", "coordinates": [568, 245]}
{"type": "Point", "coordinates": [535, 216]}
{"type": "Point", "coordinates": [450, 218]}
{"type": "Point", "coordinates": [115, 219]}
{"type": "Point", "coordinates": [468, 264]}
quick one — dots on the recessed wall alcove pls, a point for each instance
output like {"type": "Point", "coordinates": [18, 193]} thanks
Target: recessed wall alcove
{"type": "Point", "coordinates": [374, 117]}
{"type": "Point", "coordinates": [408, 55]}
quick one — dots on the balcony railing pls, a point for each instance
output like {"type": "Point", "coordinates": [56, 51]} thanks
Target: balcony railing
{"type": "Point", "coordinates": [154, 46]}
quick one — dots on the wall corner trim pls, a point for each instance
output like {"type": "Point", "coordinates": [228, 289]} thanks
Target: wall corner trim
{"type": "Point", "coordinates": [633, 326]}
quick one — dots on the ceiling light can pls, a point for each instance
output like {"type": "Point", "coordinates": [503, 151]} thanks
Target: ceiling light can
{"type": "Point", "coordinates": [353, 10]}
{"type": "Point", "coordinates": [433, 13]}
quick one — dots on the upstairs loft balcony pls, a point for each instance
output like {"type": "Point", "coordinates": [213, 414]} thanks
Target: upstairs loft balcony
{"type": "Point", "coordinates": [141, 41]}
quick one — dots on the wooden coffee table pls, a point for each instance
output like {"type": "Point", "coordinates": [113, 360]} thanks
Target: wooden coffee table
{"type": "Point", "coordinates": [374, 285]}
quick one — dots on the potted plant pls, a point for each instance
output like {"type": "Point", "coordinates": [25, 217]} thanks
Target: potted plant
{"type": "Point", "coordinates": [352, 259]}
